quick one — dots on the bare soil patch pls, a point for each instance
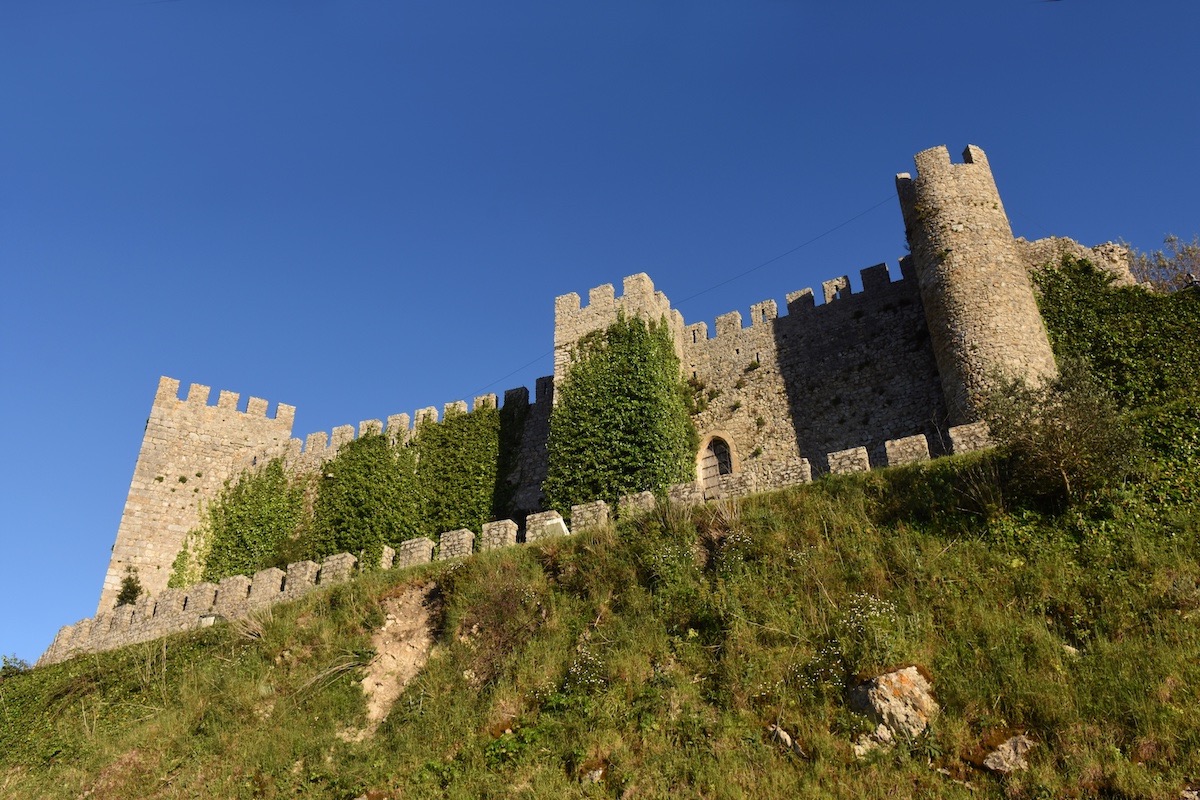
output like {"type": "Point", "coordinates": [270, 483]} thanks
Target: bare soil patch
{"type": "Point", "coordinates": [401, 647]}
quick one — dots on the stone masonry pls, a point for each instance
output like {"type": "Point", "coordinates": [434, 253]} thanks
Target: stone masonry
{"type": "Point", "coordinates": [883, 374]}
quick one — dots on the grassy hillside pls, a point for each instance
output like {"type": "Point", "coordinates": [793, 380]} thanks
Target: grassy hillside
{"type": "Point", "coordinates": [649, 659]}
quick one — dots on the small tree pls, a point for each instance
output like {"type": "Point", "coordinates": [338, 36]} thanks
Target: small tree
{"type": "Point", "coordinates": [1063, 440]}
{"type": "Point", "coordinates": [1174, 267]}
{"type": "Point", "coordinates": [131, 587]}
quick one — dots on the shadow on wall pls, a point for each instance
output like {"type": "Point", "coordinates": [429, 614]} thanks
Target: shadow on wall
{"type": "Point", "coordinates": [859, 369]}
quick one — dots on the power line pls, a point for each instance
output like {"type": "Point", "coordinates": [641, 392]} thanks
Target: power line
{"type": "Point", "coordinates": [729, 280]}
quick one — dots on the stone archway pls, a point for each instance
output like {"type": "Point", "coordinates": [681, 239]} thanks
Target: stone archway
{"type": "Point", "coordinates": [717, 457]}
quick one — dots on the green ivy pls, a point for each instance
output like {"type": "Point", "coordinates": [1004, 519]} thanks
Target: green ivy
{"type": "Point", "coordinates": [366, 498]}
{"type": "Point", "coordinates": [620, 424]}
{"type": "Point", "coordinates": [249, 521]}
{"type": "Point", "coordinates": [1141, 345]}
{"type": "Point", "coordinates": [457, 469]}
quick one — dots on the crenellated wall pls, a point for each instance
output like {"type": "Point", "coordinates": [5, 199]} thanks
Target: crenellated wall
{"type": "Point", "coordinates": [188, 451]}
{"type": "Point", "coordinates": [837, 380]}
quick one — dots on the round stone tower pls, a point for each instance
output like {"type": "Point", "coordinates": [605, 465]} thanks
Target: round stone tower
{"type": "Point", "coordinates": [979, 304]}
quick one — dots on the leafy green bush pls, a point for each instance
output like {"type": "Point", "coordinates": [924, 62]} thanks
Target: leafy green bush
{"type": "Point", "coordinates": [131, 588]}
{"type": "Point", "coordinates": [621, 423]}
{"type": "Point", "coordinates": [1063, 440]}
{"type": "Point", "coordinates": [249, 521]}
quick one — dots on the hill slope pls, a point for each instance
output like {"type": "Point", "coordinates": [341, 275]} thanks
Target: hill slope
{"type": "Point", "coordinates": [651, 658]}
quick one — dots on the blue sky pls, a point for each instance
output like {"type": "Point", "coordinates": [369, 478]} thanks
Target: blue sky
{"type": "Point", "coordinates": [361, 208]}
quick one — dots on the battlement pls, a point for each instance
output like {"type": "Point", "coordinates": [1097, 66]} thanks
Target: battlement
{"type": "Point", "coordinates": [317, 448]}
{"type": "Point", "coordinates": [835, 293]}
{"type": "Point", "coordinates": [198, 396]}
{"type": "Point", "coordinates": [639, 298]}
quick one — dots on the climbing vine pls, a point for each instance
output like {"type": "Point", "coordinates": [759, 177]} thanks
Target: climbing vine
{"type": "Point", "coordinates": [366, 498]}
{"type": "Point", "coordinates": [457, 468]}
{"type": "Point", "coordinates": [1140, 345]}
{"type": "Point", "coordinates": [248, 522]}
{"type": "Point", "coordinates": [620, 424]}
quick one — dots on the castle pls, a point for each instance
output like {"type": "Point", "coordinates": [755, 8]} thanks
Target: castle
{"type": "Point", "coordinates": [888, 375]}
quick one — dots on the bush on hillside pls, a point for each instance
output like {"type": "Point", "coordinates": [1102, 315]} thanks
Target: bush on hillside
{"type": "Point", "coordinates": [1168, 270]}
{"type": "Point", "coordinates": [1064, 440]}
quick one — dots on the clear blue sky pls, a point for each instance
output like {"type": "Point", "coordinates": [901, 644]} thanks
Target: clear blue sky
{"type": "Point", "coordinates": [361, 208]}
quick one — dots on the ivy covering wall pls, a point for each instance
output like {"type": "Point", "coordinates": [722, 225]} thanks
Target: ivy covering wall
{"type": "Point", "coordinates": [620, 424]}
{"type": "Point", "coordinates": [456, 473]}
{"type": "Point", "coordinates": [1141, 345]}
{"type": "Point", "coordinates": [367, 497]}
{"type": "Point", "coordinates": [375, 491]}
{"type": "Point", "coordinates": [246, 525]}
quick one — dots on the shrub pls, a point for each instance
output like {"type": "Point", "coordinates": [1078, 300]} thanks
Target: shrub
{"type": "Point", "coordinates": [1063, 440]}
{"type": "Point", "coordinates": [1171, 268]}
{"type": "Point", "coordinates": [131, 587]}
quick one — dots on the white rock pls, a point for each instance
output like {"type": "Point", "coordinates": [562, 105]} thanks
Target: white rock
{"type": "Point", "coordinates": [1009, 757]}
{"type": "Point", "coordinates": [901, 700]}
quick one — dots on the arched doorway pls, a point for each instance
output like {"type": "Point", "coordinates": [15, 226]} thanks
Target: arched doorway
{"type": "Point", "coordinates": [716, 458]}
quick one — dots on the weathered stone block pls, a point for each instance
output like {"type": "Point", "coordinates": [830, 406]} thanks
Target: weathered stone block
{"type": "Point", "coordinates": [545, 525]}
{"type": "Point", "coordinates": [686, 494]}
{"type": "Point", "coordinates": [337, 569]}
{"type": "Point", "coordinates": [854, 459]}
{"type": "Point", "coordinates": [589, 515]}
{"type": "Point", "coordinates": [456, 544]}
{"type": "Point", "coordinates": [387, 557]}
{"type": "Point", "coordinates": [200, 598]}
{"type": "Point", "coordinates": [908, 450]}
{"type": "Point", "coordinates": [414, 551]}
{"type": "Point", "coordinates": [267, 587]}
{"type": "Point", "coordinates": [969, 438]}
{"type": "Point", "coordinates": [501, 533]}
{"type": "Point", "coordinates": [232, 596]}
{"type": "Point", "coordinates": [301, 579]}
{"type": "Point", "coordinates": [634, 504]}
{"type": "Point", "coordinates": [735, 484]}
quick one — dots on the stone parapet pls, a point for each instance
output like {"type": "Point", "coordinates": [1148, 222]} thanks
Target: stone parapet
{"type": "Point", "coordinates": [969, 438]}
{"type": "Point", "coordinates": [545, 525]}
{"type": "Point", "coordinates": [632, 505]}
{"type": "Point", "coordinates": [854, 459]}
{"type": "Point", "coordinates": [414, 551]}
{"type": "Point", "coordinates": [908, 450]}
{"type": "Point", "coordinates": [456, 544]}
{"type": "Point", "coordinates": [498, 534]}
{"type": "Point", "coordinates": [589, 515]}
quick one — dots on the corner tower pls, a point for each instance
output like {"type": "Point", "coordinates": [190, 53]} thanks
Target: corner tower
{"type": "Point", "coordinates": [979, 303]}
{"type": "Point", "coordinates": [188, 452]}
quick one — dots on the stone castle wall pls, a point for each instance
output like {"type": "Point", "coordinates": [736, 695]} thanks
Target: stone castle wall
{"type": "Point", "coordinates": [188, 451]}
{"type": "Point", "coordinates": [906, 356]}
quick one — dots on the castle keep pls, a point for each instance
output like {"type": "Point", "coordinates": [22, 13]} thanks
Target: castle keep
{"type": "Point", "coordinates": [890, 374]}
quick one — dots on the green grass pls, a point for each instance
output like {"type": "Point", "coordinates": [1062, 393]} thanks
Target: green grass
{"type": "Point", "coordinates": [660, 650]}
